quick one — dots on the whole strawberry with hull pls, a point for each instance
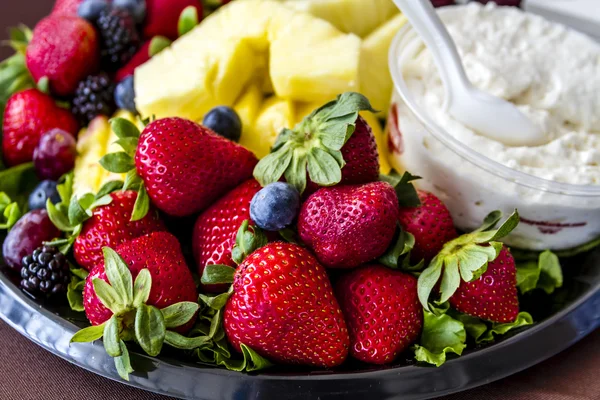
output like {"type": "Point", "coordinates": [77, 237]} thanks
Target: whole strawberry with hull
{"type": "Point", "coordinates": [216, 228]}
{"type": "Point", "coordinates": [476, 273]}
{"type": "Point", "coordinates": [382, 310]}
{"type": "Point", "coordinates": [349, 225]}
{"type": "Point", "coordinates": [110, 225]}
{"type": "Point", "coordinates": [142, 292]}
{"type": "Point", "coordinates": [331, 145]}
{"type": "Point", "coordinates": [28, 115]}
{"type": "Point", "coordinates": [65, 50]}
{"type": "Point", "coordinates": [283, 307]}
{"type": "Point", "coordinates": [184, 167]}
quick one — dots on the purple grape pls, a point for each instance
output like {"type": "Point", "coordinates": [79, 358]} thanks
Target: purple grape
{"type": "Point", "coordinates": [54, 156]}
{"type": "Point", "coordinates": [26, 235]}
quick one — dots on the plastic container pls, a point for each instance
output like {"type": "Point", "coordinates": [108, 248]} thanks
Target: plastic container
{"type": "Point", "coordinates": [554, 215]}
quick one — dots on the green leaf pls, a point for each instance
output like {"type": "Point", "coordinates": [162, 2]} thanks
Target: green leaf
{"type": "Point", "coordinates": [118, 275]}
{"type": "Point", "coordinates": [79, 273]}
{"type": "Point", "coordinates": [10, 211]}
{"type": "Point", "coordinates": [217, 274]}
{"type": "Point", "coordinates": [253, 360]}
{"type": "Point", "coordinates": [132, 180]}
{"type": "Point", "coordinates": [295, 174]}
{"type": "Point", "coordinates": [108, 296]}
{"type": "Point", "coordinates": [111, 337]}
{"type": "Point", "coordinates": [179, 314]}
{"type": "Point", "coordinates": [119, 162]}
{"type": "Point", "coordinates": [123, 363]}
{"type": "Point", "coordinates": [108, 188]}
{"type": "Point", "coordinates": [427, 281]}
{"type": "Point", "coordinates": [89, 334]}
{"type": "Point", "coordinates": [187, 20]}
{"type": "Point", "coordinates": [216, 302]}
{"type": "Point", "coordinates": [323, 169]}
{"type": "Point", "coordinates": [490, 221]}
{"type": "Point", "coordinates": [14, 181]}
{"type": "Point", "coordinates": [405, 190]}
{"type": "Point", "coordinates": [150, 329]}
{"type": "Point", "coordinates": [272, 167]}
{"type": "Point", "coordinates": [474, 259]}
{"type": "Point", "coordinates": [141, 206]}
{"type": "Point", "coordinates": [545, 274]}
{"type": "Point", "coordinates": [78, 209]}
{"type": "Point", "coordinates": [474, 326]}
{"type": "Point", "coordinates": [284, 136]}
{"type": "Point", "coordinates": [450, 278]}
{"type": "Point", "coordinates": [59, 219]}
{"type": "Point", "coordinates": [43, 85]}
{"type": "Point", "coordinates": [142, 287]}
{"type": "Point", "coordinates": [158, 44]}
{"type": "Point", "coordinates": [216, 324]}
{"type": "Point", "coordinates": [441, 336]}
{"type": "Point", "coordinates": [248, 239]}
{"type": "Point", "coordinates": [65, 188]}
{"type": "Point", "coordinates": [401, 246]}
{"type": "Point", "coordinates": [184, 343]}
{"type": "Point", "coordinates": [128, 144]}
{"type": "Point", "coordinates": [523, 319]}
{"type": "Point", "coordinates": [289, 235]}
{"type": "Point", "coordinates": [75, 294]}
{"type": "Point", "coordinates": [102, 201]}
{"type": "Point", "coordinates": [124, 128]}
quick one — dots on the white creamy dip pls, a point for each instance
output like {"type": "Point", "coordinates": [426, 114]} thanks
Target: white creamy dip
{"type": "Point", "coordinates": [551, 72]}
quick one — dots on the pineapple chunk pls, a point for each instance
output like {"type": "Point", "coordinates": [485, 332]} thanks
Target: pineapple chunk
{"type": "Point", "coordinates": [375, 79]}
{"type": "Point", "coordinates": [305, 58]}
{"type": "Point", "coordinates": [275, 114]}
{"type": "Point", "coordinates": [94, 143]}
{"type": "Point", "coordinates": [360, 17]}
{"type": "Point", "coordinates": [248, 107]}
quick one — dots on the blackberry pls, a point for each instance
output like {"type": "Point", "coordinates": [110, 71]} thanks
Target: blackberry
{"type": "Point", "coordinates": [119, 38]}
{"type": "Point", "coordinates": [94, 96]}
{"type": "Point", "coordinates": [45, 271]}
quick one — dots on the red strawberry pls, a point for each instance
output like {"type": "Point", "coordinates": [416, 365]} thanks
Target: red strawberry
{"type": "Point", "coordinates": [382, 311]}
{"type": "Point", "coordinates": [64, 49]}
{"type": "Point", "coordinates": [431, 225]}
{"type": "Point", "coordinates": [28, 115]}
{"type": "Point", "coordinates": [160, 253]}
{"type": "Point", "coordinates": [186, 167]}
{"type": "Point", "coordinates": [216, 229]}
{"type": "Point", "coordinates": [110, 226]}
{"type": "Point", "coordinates": [283, 307]}
{"type": "Point", "coordinates": [347, 226]}
{"type": "Point", "coordinates": [66, 7]}
{"type": "Point", "coordinates": [138, 59]}
{"type": "Point", "coordinates": [494, 295]}
{"type": "Point", "coordinates": [162, 16]}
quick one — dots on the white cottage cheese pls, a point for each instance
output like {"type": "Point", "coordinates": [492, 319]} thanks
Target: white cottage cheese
{"type": "Point", "coordinates": [551, 72]}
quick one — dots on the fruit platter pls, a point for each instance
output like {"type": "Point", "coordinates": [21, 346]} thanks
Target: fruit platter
{"type": "Point", "coordinates": [265, 198]}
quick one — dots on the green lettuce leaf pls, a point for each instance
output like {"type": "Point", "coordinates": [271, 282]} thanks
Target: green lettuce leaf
{"type": "Point", "coordinates": [545, 273]}
{"type": "Point", "coordinates": [442, 335]}
{"type": "Point", "coordinates": [523, 319]}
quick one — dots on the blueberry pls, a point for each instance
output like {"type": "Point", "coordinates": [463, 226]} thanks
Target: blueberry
{"type": "Point", "coordinates": [224, 121]}
{"type": "Point", "coordinates": [135, 8]}
{"type": "Point", "coordinates": [91, 9]}
{"type": "Point", "coordinates": [44, 191]}
{"type": "Point", "coordinates": [125, 95]}
{"type": "Point", "coordinates": [275, 206]}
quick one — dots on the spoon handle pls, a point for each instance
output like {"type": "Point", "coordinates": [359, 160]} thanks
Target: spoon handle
{"type": "Point", "coordinates": [430, 28]}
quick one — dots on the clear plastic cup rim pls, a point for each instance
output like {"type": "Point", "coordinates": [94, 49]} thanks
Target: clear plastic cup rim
{"type": "Point", "coordinates": [465, 152]}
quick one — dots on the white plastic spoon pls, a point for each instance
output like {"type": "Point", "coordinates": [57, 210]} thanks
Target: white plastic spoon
{"type": "Point", "coordinates": [489, 115]}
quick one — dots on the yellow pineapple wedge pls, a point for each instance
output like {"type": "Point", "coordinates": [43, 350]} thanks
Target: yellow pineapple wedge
{"type": "Point", "coordinates": [308, 59]}
{"type": "Point", "coordinates": [93, 143]}
{"type": "Point", "coordinates": [360, 17]}
{"type": "Point", "coordinates": [274, 115]}
{"type": "Point", "coordinates": [376, 81]}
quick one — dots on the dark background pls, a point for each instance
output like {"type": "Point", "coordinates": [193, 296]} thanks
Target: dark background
{"type": "Point", "coordinates": [29, 373]}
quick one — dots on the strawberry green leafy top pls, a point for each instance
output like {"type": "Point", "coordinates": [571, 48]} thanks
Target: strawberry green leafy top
{"type": "Point", "coordinates": [314, 145]}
